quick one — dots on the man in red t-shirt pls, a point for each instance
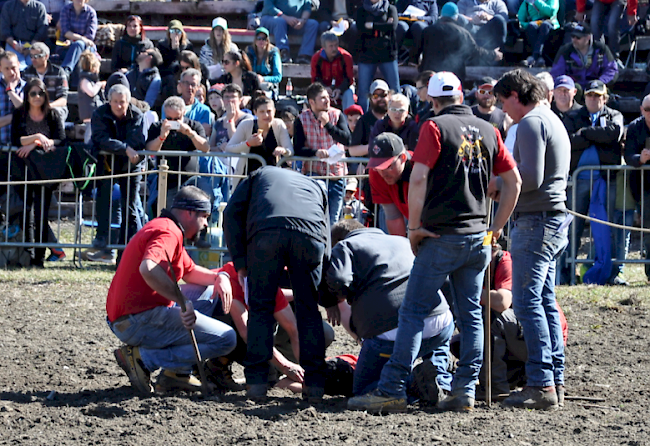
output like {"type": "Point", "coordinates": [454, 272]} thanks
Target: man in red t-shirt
{"type": "Point", "coordinates": [140, 298]}
{"type": "Point", "coordinates": [390, 167]}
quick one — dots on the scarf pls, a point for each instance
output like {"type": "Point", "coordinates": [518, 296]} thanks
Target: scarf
{"type": "Point", "coordinates": [376, 9]}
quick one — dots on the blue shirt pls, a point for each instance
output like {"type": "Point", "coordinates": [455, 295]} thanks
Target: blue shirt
{"type": "Point", "coordinates": [7, 108]}
{"type": "Point", "coordinates": [84, 24]}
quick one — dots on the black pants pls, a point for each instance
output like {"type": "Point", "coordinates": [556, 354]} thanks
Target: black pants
{"type": "Point", "coordinates": [268, 253]}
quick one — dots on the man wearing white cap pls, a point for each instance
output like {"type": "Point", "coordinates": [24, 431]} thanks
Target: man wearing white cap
{"type": "Point", "coordinates": [455, 157]}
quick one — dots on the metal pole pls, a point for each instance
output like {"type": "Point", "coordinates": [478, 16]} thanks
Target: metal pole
{"type": "Point", "coordinates": [162, 185]}
{"type": "Point", "coordinates": [488, 318]}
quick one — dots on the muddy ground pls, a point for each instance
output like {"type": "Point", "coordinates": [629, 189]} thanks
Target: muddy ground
{"type": "Point", "coordinates": [60, 385]}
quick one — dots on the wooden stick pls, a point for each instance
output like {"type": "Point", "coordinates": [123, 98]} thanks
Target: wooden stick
{"type": "Point", "coordinates": [488, 318]}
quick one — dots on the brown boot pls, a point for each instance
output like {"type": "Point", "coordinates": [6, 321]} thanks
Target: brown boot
{"type": "Point", "coordinates": [220, 374]}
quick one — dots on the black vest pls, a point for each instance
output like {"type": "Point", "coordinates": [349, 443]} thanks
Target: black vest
{"type": "Point", "coordinates": [457, 184]}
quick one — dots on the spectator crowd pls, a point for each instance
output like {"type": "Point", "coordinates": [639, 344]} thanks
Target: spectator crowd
{"type": "Point", "coordinates": [316, 229]}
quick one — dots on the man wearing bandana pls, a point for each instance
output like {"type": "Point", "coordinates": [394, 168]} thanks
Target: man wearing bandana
{"type": "Point", "coordinates": [140, 304]}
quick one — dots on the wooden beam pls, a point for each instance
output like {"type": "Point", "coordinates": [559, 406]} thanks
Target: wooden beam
{"type": "Point", "coordinates": [210, 9]}
{"type": "Point", "coordinates": [110, 5]}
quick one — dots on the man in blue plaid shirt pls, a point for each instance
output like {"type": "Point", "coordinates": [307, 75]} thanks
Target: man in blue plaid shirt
{"type": "Point", "coordinates": [11, 93]}
{"type": "Point", "coordinates": [79, 25]}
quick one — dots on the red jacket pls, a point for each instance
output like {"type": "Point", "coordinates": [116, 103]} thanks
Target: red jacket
{"type": "Point", "coordinates": [631, 5]}
{"type": "Point", "coordinates": [341, 69]}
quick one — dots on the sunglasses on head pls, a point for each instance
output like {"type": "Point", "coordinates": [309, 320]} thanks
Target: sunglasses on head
{"type": "Point", "coordinates": [33, 94]}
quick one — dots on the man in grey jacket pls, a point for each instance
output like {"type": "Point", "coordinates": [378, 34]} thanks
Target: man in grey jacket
{"type": "Point", "coordinates": [542, 152]}
{"type": "Point", "coordinates": [370, 270]}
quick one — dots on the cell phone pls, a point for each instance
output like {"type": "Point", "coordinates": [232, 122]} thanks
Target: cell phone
{"type": "Point", "coordinates": [174, 125]}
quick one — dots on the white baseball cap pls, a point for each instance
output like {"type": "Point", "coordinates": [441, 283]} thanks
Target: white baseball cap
{"type": "Point", "coordinates": [221, 22]}
{"type": "Point", "coordinates": [444, 83]}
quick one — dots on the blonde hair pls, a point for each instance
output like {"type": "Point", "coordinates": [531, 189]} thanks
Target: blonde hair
{"type": "Point", "coordinates": [88, 62]}
{"type": "Point", "coordinates": [400, 99]}
{"type": "Point", "coordinates": [219, 51]}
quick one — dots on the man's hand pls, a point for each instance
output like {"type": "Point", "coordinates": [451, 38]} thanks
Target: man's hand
{"type": "Point", "coordinates": [280, 151]}
{"type": "Point", "coordinates": [223, 289]}
{"type": "Point", "coordinates": [300, 24]}
{"type": "Point", "coordinates": [188, 317]}
{"type": "Point", "coordinates": [496, 233]}
{"type": "Point", "coordinates": [231, 110]}
{"type": "Point", "coordinates": [368, 25]}
{"type": "Point", "coordinates": [294, 372]}
{"type": "Point", "coordinates": [498, 55]}
{"type": "Point", "coordinates": [241, 277]}
{"type": "Point", "coordinates": [336, 93]}
{"type": "Point", "coordinates": [334, 315]}
{"type": "Point", "coordinates": [322, 153]}
{"type": "Point", "coordinates": [165, 128]}
{"type": "Point", "coordinates": [492, 191]}
{"type": "Point", "coordinates": [260, 78]}
{"type": "Point", "coordinates": [185, 129]}
{"type": "Point", "coordinates": [323, 117]}
{"type": "Point", "coordinates": [645, 156]}
{"type": "Point", "coordinates": [175, 40]}
{"type": "Point", "coordinates": [415, 237]}
{"type": "Point", "coordinates": [291, 21]}
{"type": "Point", "coordinates": [133, 155]}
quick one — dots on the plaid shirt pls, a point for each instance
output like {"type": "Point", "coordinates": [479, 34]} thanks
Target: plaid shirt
{"type": "Point", "coordinates": [7, 108]}
{"type": "Point", "coordinates": [317, 138]}
{"type": "Point", "coordinates": [84, 24]}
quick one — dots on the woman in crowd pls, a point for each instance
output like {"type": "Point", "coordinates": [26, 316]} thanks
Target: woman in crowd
{"type": "Point", "coordinates": [376, 46]}
{"type": "Point", "coordinates": [215, 48]}
{"type": "Point", "coordinates": [265, 60]}
{"type": "Point", "coordinates": [238, 72]}
{"type": "Point", "coordinates": [171, 46]}
{"type": "Point", "coordinates": [186, 59]}
{"type": "Point", "coordinates": [35, 125]}
{"type": "Point", "coordinates": [89, 98]}
{"type": "Point", "coordinates": [265, 136]}
{"type": "Point", "coordinates": [132, 43]}
{"type": "Point", "coordinates": [215, 101]}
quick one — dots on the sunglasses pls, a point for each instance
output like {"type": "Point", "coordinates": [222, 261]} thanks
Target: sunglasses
{"type": "Point", "coordinates": [33, 94]}
{"type": "Point", "coordinates": [262, 37]}
{"type": "Point", "coordinates": [397, 110]}
{"type": "Point", "coordinates": [175, 31]}
{"type": "Point", "coordinates": [378, 96]}
{"type": "Point", "coordinates": [37, 56]}
{"type": "Point", "coordinates": [484, 91]}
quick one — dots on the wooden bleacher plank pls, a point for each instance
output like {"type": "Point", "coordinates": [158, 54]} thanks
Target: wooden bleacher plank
{"type": "Point", "coordinates": [110, 5]}
{"type": "Point", "coordinates": [193, 8]}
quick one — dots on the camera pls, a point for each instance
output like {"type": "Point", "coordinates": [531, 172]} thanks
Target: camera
{"type": "Point", "coordinates": [174, 125]}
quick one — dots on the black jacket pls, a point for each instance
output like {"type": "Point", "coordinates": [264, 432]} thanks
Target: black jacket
{"type": "Point", "coordinates": [19, 125]}
{"type": "Point", "coordinates": [112, 135]}
{"type": "Point", "coordinates": [450, 47]}
{"type": "Point", "coordinates": [248, 78]}
{"type": "Point", "coordinates": [126, 50]}
{"type": "Point", "coordinates": [637, 135]}
{"type": "Point", "coordinates": [607, 139]}
{"type": "Point", "coordinates": [274, 198]}
{"type": "Point", "coordinates": [169, 55]}
{"type": "Point", "coordinates": [379, 44]}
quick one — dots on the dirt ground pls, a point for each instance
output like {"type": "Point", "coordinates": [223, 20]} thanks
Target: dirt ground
{"type": "Point", "coordinates": [60, 385]}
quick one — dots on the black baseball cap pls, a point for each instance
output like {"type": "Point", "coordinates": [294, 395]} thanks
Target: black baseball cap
{"type": "Point", "coordinates": [386, 147]}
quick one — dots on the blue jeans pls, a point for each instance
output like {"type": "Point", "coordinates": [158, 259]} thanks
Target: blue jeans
{"type": "Point", "coordinates": [536, 36]}
{"type": "Point", "coordinates": [610, 13]}
{"type": "Point", "coordinates": [23, 60]}
{"type": "Point", "coordinates": [268, 253]}
{"type": "Point", "coordinates": [335, 193]}
{"type": "Point", "coordinates": [493, 34]}
{"type": "Point", "coordinates": [536, 243]}
{"type": "Point", "coordinates": [72, 55]}
{"type": "Point", "coordinates": [347, 98]}
{"type": "Point", "coordinates": [464, 258]}
{"type": "Point", "coordinates": [376, 352]}
{"type": "Point", "coordinates": [412, 29]}
{"type": "Point", "coordinates": [367, 74]}
{"type": "Point", "coordinates": [165, 342]}
{"type": "Point", "coordinates": [278, 27]}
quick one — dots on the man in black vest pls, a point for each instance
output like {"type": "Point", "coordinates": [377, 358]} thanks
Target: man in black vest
{"type": "Point", "coordinates": [456, 155]}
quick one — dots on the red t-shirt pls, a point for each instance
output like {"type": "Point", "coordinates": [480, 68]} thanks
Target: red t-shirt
{"type": "Point", "coordinates": [503, 273]}
{"type": "Point", "coordinates": [383, 193]}
{"type": "Point", "coordinates": [428, 150]}
{"type": "Point", "coordinates": [238, 292]}
{"type": "Point", "coordinates": [129, 293]}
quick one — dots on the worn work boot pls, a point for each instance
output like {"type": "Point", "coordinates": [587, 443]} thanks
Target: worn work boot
{"type": "Point", "coordinates": [313, 395]}
{"type": "Point", "coordinates": [424, 377]}
{"type": "Point", "coordinates": [377, 402]}
{"type": "Point", "coordinates": [128, 358]}
{"type": "Point", "coordinates": [257, 392]}
{"type": "Point", "coordinates": [534, 397]}
{"type": "Point", "coordinates": [559, 389]}
{"type": "Point", "coordinates": [174, 382]}
{"type": "Point", "coordinates": [457, 403]}
{"type": "Point", "coordinates": [220, 374]}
